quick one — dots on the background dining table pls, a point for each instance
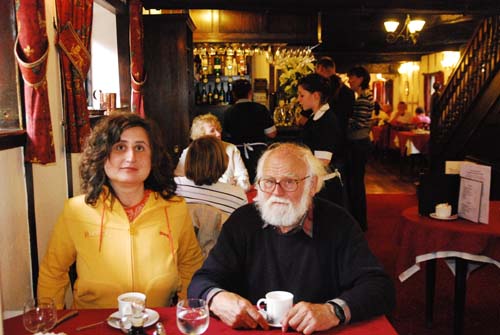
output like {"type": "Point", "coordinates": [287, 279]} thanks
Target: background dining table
{"type": "Point", "coordinates": [462, 243]}
{"type": "Point", "coordinates": [14, 326]}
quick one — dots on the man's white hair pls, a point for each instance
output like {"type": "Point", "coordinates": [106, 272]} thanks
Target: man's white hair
{"type": "Point", "coordinates": [314, 165]}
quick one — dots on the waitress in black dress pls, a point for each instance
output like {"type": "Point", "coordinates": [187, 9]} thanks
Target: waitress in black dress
{"type": "Point", "coordinates": [321, 133]}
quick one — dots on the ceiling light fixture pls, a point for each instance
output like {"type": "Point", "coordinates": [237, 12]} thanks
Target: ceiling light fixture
{"type": "Point", "coordinates": [408, 32]}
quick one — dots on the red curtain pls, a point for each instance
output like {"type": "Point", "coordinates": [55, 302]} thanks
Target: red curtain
{"type": "Point", "coordinates": [379, 91]}
{"type": "Point", "coordinates": [138, 77]}
{"type": "Point", "coordinates": [73, 39]}
{"type": "Point", "coordinates": [31, 52]}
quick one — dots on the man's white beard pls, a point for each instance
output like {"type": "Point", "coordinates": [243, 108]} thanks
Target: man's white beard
{"type": "Point", "coordinates": [281, 212]}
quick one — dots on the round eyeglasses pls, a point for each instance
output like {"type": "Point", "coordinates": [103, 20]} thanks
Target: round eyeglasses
{"type": "Point", "coordinates": [287, 184]}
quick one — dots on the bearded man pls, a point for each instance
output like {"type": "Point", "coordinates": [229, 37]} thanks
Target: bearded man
{"type": "Point", "coordinates": [291, 241]}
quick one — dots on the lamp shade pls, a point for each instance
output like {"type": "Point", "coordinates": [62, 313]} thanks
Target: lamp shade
{"type": "Point", "coordinates": [415, 25]}
{"type": "Point", "coordinates": [391, 26]}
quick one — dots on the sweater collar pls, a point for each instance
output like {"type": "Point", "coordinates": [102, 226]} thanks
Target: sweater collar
{"type": "Point", "coordinates": [306, 224]}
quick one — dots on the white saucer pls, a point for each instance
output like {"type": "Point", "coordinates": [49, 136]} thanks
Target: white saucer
{"type": "Point", "coordinates": [277, 325]}
{"type": "Point", "coordinates": [263, 313]}
{"type": "Point", "coordinates": [451, 217]}
{"type": "Point", "coordinates": [153, 316]}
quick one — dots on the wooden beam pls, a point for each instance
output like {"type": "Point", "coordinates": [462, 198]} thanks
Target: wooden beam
{"type": "Point", "coordinates": [478, 7]}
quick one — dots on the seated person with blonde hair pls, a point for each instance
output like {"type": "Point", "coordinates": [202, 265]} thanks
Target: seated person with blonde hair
{"type": "Point", "coordinates": [236, 173]}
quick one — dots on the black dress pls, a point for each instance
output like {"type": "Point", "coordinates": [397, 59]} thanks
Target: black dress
{"type": "Point", "coordinates": [324, 135]}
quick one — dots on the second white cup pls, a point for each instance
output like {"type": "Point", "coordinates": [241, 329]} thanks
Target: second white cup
{"type": "Point", "coordinates": [443, 210]}
{"type": "Point", "coordinates": [125, 301]}
{"type": "Point", "coordinates": [278, 303]}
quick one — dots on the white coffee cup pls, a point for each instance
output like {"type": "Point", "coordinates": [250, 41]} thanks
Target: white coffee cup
{"type": "Point", "coordinates": [278, 303]}
{"type": "Point", "coordinates": [125, 301]}
{"type": "Point", "coordinates": [443, 210]}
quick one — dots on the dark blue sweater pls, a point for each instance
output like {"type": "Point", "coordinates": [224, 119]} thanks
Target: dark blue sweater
{"type": "Point", "coordinates": [335, 263]}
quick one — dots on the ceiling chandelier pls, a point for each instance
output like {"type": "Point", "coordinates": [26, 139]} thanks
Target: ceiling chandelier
{"type": "Point", "coordinates": [408, 32]}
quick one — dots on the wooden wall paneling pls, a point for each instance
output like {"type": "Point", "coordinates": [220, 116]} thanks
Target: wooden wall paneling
{"type": "Point", "coordinates": [292, 23]}
{"type": "Point", "coordinates": [203, 19]}
{"type": "Point", "coordinates": [231, 21]}
{"type": "Point", "coordinates": [216, 26]}
{"type": "Point", "coordinates": [168, 62]}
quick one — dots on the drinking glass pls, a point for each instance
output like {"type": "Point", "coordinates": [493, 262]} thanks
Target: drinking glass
{"type": "Point", "coordinates": [39, 315]}
{"type": "Point", "coordinates": [192, 316]}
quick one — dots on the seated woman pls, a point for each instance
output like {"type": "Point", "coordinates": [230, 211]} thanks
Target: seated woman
{"type": "Point", "coordinates": [379, 116]}
{"type": "Point", "coordinates": [206, 161]}
{"type": "Point", "coordinates": [236, 173]}
{"type": "Point", "coordinates": [420, 119]}
{"type": "Point", "coordinates": [128, 231]}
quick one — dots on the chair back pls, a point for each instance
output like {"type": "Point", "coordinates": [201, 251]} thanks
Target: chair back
{"type": "Point", "coordinates": [207, 221]}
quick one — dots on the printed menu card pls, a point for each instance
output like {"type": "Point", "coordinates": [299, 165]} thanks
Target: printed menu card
{"type": "Point", "coordinates": [474, 196]}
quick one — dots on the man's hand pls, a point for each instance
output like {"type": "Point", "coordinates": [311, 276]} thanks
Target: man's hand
{"type": "Point", "coordinates": [307, 318]}
{"type": "Point", "coordinates": [236, 311]}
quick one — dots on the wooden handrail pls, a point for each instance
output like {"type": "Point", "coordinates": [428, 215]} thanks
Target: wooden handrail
{"type": "Point", "coordinates": [478, 65]}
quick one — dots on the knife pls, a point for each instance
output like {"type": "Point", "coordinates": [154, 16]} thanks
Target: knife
{"type": "Point", "coordinates": [65, 317]}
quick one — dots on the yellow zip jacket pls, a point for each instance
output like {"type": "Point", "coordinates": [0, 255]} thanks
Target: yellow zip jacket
{"type": "Point", "coordinates": [157, 253]}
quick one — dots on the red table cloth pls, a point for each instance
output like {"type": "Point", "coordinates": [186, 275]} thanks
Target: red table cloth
{"type": "Point", "coordinates": [422, 238]}
{"type": "Point", "coordinates": [14, 326]}
{"type": "Point", "coordinates": [419, 140]}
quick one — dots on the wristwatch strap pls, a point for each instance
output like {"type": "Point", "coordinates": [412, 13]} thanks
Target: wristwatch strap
{"type": "Point", "coordinates": [339, 312]}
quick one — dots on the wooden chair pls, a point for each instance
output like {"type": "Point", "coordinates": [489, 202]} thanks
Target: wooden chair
{"type": "Point", "coordinates": [207, 221]}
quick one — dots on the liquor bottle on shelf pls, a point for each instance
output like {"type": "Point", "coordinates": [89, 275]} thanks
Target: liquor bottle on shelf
{"type": "Point", "coordinates": [204, 64]}
{"type": "Point", "coordinates": [217, 65]}
{"type": "Point", "coordinates": [229, 94]}
{"type": "Point", "coordinates": [204, 96]}
{"type": "Point", "coordinates": [215, 97]}
{"type": "Point", "coordinates": [210, 69]}
{"type": "Point", "coordinates": [234, 70]}
{"type": "Point", "coordinates": [210, 95]}
{"type": "Point", "coordinates": [222, 95]}
{"type": "Point", "coordinates": [217, 79]}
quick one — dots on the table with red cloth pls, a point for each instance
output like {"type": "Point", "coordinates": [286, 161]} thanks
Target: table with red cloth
{"type": "Point", "coordinates": [380, 136]}
{"type": "Point", "coordinates": [464, 243]}
{"type": "Point", "coordinates": [251, 194]}
{"type": "Point", "coordinates": [412, 142]}
{"type": "Point", "coordinates": [14, 326]}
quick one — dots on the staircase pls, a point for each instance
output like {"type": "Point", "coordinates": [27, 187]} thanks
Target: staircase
{"type": "Point", "coordinates": [469, 127]}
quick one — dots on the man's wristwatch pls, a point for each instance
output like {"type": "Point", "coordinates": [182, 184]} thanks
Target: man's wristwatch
{"type": "Point", "coordinates": [339, 312]}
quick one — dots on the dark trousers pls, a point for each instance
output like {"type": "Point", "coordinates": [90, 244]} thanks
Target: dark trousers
{"type": "Point", "coordinates": [358, 155]}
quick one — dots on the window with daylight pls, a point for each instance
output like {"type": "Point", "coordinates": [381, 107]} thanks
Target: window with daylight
{"type": "Point", "coordinates": [11, 133]}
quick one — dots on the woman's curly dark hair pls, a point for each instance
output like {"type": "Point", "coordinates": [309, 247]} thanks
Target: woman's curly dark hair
{"type": "Point", "coordinates": [98, 148]}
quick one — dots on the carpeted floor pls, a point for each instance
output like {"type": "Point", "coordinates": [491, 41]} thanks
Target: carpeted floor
{"type": "Point", "coordinates": [482, 311]}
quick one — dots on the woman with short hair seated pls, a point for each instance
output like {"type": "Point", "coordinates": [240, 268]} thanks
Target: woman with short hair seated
{"type": "Point", "coordinates": [206, 161]}
{"type": "Point", "coordinates": [235, 173]}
